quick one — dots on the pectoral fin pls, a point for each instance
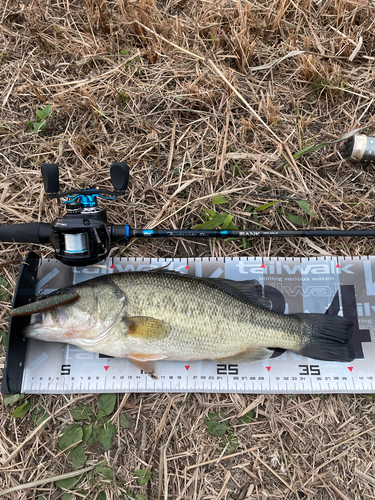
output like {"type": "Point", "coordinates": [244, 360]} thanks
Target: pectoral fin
{"type": "Point", "coordinates": [249, 356]}
{"type": "Point", "coordinates": [147, 328]}
{"type": "Point", "coordinates": [146, 362]}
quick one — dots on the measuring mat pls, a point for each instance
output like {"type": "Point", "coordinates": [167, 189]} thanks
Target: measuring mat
{"type": "Point", "coordinates": [341, 286]}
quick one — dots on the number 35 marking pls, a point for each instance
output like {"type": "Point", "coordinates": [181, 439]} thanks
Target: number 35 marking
{"type": "Point", "coordinates": [309, 370]}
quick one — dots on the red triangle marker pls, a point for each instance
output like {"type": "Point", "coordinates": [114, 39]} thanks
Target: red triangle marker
{"type": "Point", "coordinates": [338, 265]}
{"type": "Point", "coordinates": [187, 267]}
{"type": "Point", "coordinates": [268, 368]}
{"type": "Point", "coordinates": [106, 368]}
{"type": "Point", "coordinates": [350, 368]}
{"type": "Point", "coordinates": [112, 267]}
{"type": "Point", "coordinates": [187, 367]}
{"type": "Point", "coordinates": [262, 266]}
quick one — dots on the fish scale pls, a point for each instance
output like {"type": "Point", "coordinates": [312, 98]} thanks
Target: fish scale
{"type": "Point", "coordinates": [206, 322]}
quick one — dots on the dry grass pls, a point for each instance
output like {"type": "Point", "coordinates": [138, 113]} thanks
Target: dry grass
{"type": "Point", "coordinates": [120, 91]}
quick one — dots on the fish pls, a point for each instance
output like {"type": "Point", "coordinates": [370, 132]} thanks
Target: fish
{"type": "Point", "coordinates": [164, 315]}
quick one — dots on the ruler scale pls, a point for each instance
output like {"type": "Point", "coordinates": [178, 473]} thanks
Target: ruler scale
{"type": "Point", "coordinates": [346, 286]}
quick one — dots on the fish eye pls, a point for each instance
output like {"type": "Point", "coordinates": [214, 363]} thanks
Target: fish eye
{"type": "Point", "coordinates": [64, 290]}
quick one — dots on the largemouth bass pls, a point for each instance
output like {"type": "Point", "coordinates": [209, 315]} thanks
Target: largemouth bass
{"type": "Point", "coordinates": [150, 316]}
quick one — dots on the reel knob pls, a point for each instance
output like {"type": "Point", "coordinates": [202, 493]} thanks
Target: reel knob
{"type": "Point", "coordinates": [119, 175]}
{"type": "Point", "coordinates": [50, 174]}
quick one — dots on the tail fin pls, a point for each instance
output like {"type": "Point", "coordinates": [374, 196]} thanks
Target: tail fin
{"type": "Point", "coordinates": [327, 337]}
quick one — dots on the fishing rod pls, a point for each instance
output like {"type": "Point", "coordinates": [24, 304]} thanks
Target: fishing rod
{"type": "Point", "coordinates": [118, 233]}
{"type": "Point", "coordinates": [83, 237]}
{"type": "Point", "coordinates": [360, 147]}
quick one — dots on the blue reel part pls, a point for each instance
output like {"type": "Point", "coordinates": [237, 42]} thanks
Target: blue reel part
{"type": "Point", "coordinates": [87, 200]}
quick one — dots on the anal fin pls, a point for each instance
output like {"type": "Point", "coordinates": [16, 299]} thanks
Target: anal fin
{"type": "Point", "coordinates": [249, 356]}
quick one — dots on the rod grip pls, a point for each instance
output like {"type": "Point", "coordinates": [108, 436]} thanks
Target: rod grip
{"type": "Point", "coordinates": [34, 232]}
{"type": "Point", "coordinates": [360, 147]}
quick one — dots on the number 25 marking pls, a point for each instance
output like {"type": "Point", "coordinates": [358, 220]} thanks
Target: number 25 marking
{"type": "Point", "coordinates": [227, 369]}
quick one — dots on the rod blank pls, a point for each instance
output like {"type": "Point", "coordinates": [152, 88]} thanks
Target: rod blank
{"type": "Point", "coordinates": [121, 233]}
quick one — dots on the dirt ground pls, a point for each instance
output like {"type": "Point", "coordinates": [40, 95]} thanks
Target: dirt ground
{"type": "Point", "coordinates": [200, 97]}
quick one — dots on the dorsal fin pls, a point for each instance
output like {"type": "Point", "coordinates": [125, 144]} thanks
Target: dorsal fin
{"type": "Point", "coordinates": [250, 291]}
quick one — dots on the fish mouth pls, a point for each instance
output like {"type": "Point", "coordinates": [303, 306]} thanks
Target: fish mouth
{"type": "Point", "coordinates": [38, 331]}
{"type": "Point", "coordinates": [44, 327]}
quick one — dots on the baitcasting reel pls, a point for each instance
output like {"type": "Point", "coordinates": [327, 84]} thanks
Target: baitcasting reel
{"type": "Point", "coordinates": [82, 236]}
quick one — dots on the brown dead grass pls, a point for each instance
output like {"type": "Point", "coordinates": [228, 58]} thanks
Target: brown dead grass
{"type": "Point", "coordinates": [177, 122]}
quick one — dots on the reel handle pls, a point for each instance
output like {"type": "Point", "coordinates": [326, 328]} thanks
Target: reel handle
{"type": "Point", "coordinates": [50, 174]}
{"type": "Point", "coordinates": [120, 175]}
